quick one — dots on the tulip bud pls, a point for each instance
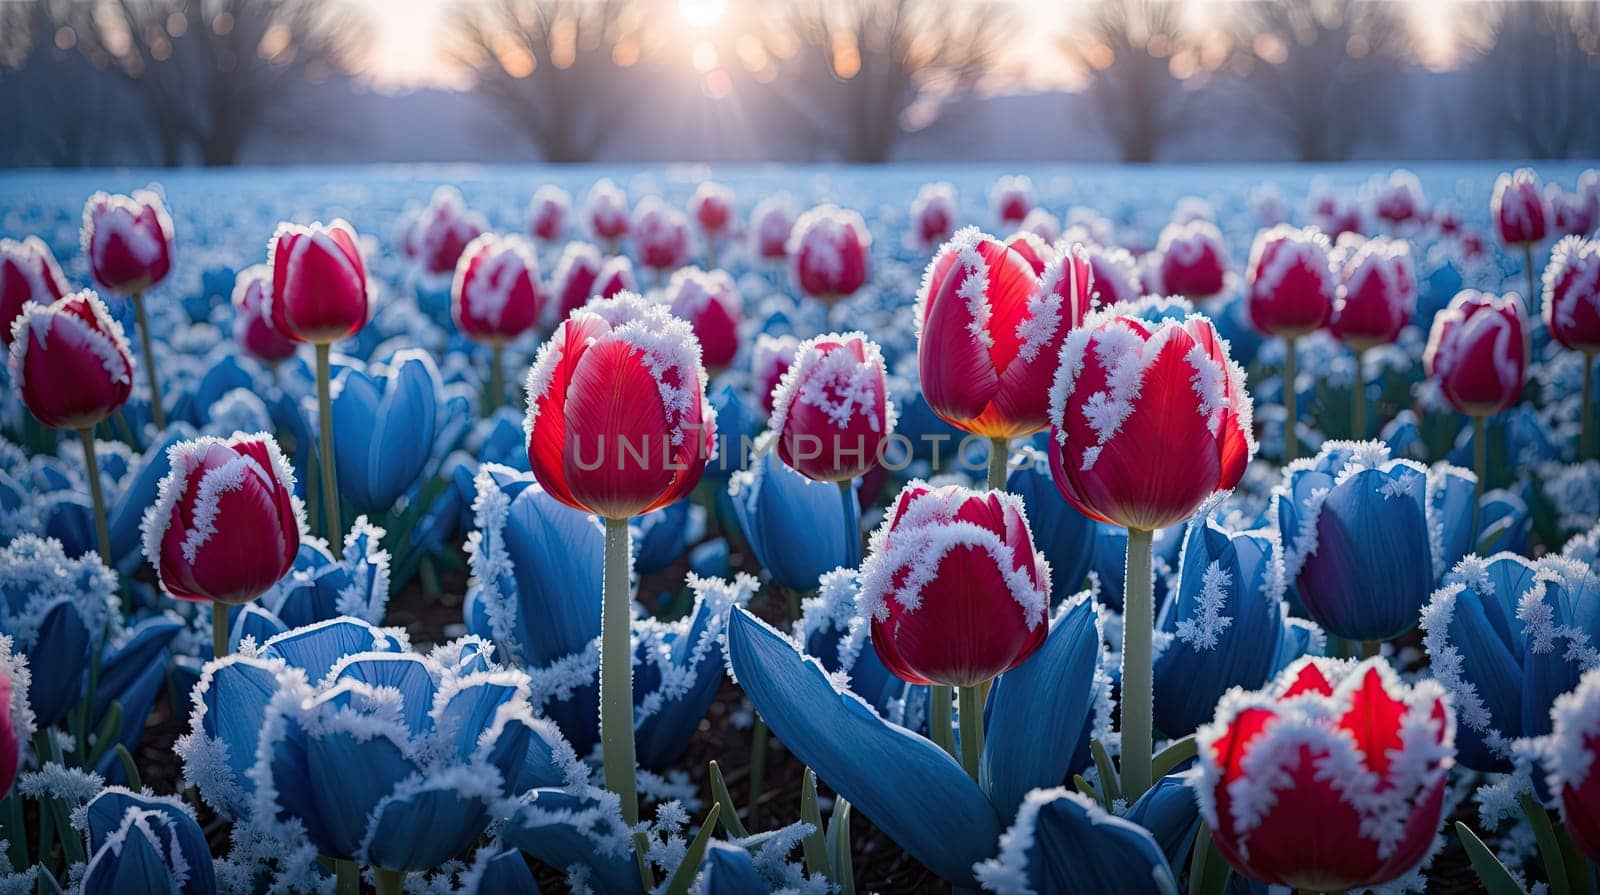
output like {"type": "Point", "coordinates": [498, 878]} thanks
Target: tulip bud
{"type": "Point", "coordinates": [1194, 260]}
{"type": "Point", "coordinates": [572, 284]}
{"type": "Point", "coordinates": [1572, 294]}
{"type": "Point", "coordinates": [1335, 215]}
{"type": "Point", "coordinates": [1114, 276]}
{"type": "Point", "coordinates": [831, 410]}
{"type": "Point", "coordinates": [955, 590]}
{"type": "Point", "coordinates": [495, 295]}
{"type": "Point", "coordinates": [16, 718]}
{"type": "Point", "coordinates": [1574, 760]}
{"type": "Point", "coordinates": [1010, 199]}
{"type": "Point", "coordinates": [547, 213]}
{"type": "Point", "coordinates": [1478, 351]}
{"type": "Point", "coordinates": [769, 360]}
{"type": "Point", "coordinates": [615, 277]}
{"type": "Point", "coordinates": [225, 526]}
{"type": "Point", "coordinates": [712, 208]}
{"type": "Point", "coordinates": [28, 273]}
{"type": "Point", "coordinates": [606, 209]}
{"type": "Point", "coordinates": [252, 321]}
{"type": "Point", "coordinates": [1331, 778]}
{"type": "Point", "coordinates": [70, 361]}
{"type": "Point", "coordinates": [1570, 214]}
{"type": "Point", "coordinates": [127, 240]}
{"type": "Point", "coordinates": [1042, 224]}
{"type": "Point", "coordinates": [618, 423]}
{"type": "Point", "coordinates": [1399, 200]}
{"type": "Point", "coordinates": [1377, 293]}
{"type": "Point", "coordinates": [989, 332]}
{"type": "Point", "coordinates": [1520, 217]}
{"type": "Point", "coordinates": [828, 251]}
{"type": "Point", "coordinates": [1147, 419]}
{"type": "Point", "coordinates": [770, 225]}
{"type": "Point", "coordinates": [319, 282]}
{"type": "Point", "coordinates": [933, 214]}
{"type": "Point", "coordinates": [660, 235]}
{"type": "Point", "coordinates": [711, 304]}
{"type": "Point", "coordinates": [443, 231]}
{"type": "Point", "coordinates": [1291, 281]}
{"type": "Point", "coordinates": [792, 523]}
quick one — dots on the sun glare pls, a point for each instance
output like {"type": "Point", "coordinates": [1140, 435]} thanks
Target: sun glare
{"type": "Point", "coordinates": [702, 13]}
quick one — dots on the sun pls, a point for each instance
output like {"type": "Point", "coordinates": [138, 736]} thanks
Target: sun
{"type": "Point", "coordinates": [702, 13]}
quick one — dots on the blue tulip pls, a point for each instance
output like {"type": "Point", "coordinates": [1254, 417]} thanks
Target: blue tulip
{"type": "Point", "coordinates": [321, 587]}
{"type": "Point", "coordinates": [58, 612]}
{"type": "Point", "coordinates": [126, 513]}
{"type": "Point", "coordinates": [738, 423]}
{"type": "Point", "coordinates": [384, 426]}
{"type": "Point", "coordinates": [225, 372]}
{"type": "Point", "coordinates": [1504, 524]}
{"type": "Point", "coordinates": [1169, 812]}
{"type": "Point", "coordinates": [660, 537]}
{"type": "Point", "coordinates": [1064, 535]}
{"type": "Point", "coordinates": [1358, 539]}
{"type": "Point", "coordinates": [833, 629]}
{"type": "Point", "coordinates": [143, 843]}
{"type": "Point", "coordinates": [1222, 627]}
{"type": "Point", "coordinates": [795, 526]}
{"type": "Point", "coordinates": [709, 559]}
{"type": "Point", "coordinates": [500, 439]}
{"type": "Point", "coordinates": [1562, 624]}
{"type": "Point", "coordinates": [1451, 493]}
{"type": "Point", "coordinates": [1479, 650]}
{"type": "Point", "coordinates": [1063, 842]}
{"type": "Point", "coordinates": [579, 831]}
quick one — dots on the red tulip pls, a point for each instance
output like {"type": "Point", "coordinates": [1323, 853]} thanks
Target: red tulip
{"type": "Point", "coordinates": [1446, 220]}
{"type": "Point", "coordinates": [1377, 293]}
{"type": "Point", "coordinates": [828, 249]}
{"type": "Point", "coordinates": [1478, 351]}
{"type": "Point", "coordinates": [1291, 281]}
{"type": "Point", "coordinates": [225, 527]}
{"type": "Point", "coordinates": [1147, 419]}
{"type": "Point", "coordinates": [1574, 762]}
{"type": "Point", "coordinates": [28, 272]}
{"type": "Point", "coordinates": [711, 304]}
{"type": "Point", "coordinates": [127, 240]}
{"type": "Point", "coordinates": [933, 214]}
{"type": "Point", "coordinates": [444, 230]}
{"type": "Point", "coordinates": [614, 278]}
{"type": "Point", "coordinates": [660, 236]}
{"type": "Point", "coordinates": [319, 282]}
{"type": "Point", "coordinates": [1114, 276]}
{"type": "Point", "coordinates": [70, 361]}
{"type": "Point", "coordinates": [771, 223]}
{"type": "Point", "coordinates": [956, 592]}
{"type": "Point", "coordinates": [1194, 261]}
{"type": "Point", "coordinates": [989, 332]}
{"type": "Point", "coordinates": [495, 295]}
{"type": "Point", "coordinates": [1042, 224]}
{"type": "Point", "coordinates": [769, 360]}
{"type": "Point", "coordinates": [547, 213]}
{"type": "Point", "coordinates": [618, 422]}
{"type": "Point", "coordinates": [1570, 214]}
{"type": "Point", "coordinates": [16, 718]}
{"type": "Point", "coordinates": [1572, 294]}
{"type": "Point", "coordinates": [712, 208]}
{"type": "Point", "coordinates": [252, 322]}
{"type": "Point", "coordinates": [1331, 778]}
{"type": "Point", "coordinates": [1399, 200]}
{"type": "Point", "coordinates": [1517, 206]}
{"type": "Point", "coordinates": [1010, 196]}
{"type": "Point", "coordinates": [831, 410]}
{"type": "Point", "coordinates": [607, 211]}
{"type": "Point", "coordinates": [1033, 249]}
{"type": "Point", "coordinates": [1335, 215]}
{"type": "Point", "coordinates": [572, 284]}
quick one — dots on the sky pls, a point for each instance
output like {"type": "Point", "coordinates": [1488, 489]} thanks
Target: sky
{"type": "Point", "coordinates": [405, 54]}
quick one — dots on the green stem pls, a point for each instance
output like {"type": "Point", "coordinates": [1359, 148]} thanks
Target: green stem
{"type": "Point", "coordinates": [16, 831]}
{"type": "Point", "coordinates": [1533, 283]}
{"type": "Point", "coordinates": [758, 764]}
{"type": "Point", "coordinates": [971, 711]}
{"type": "Point", "coordinates": [157, 412]}
{"type": "Point", "coordinates": [852, 528]}
{"type": "Point", "coordinates": [616, 685]}
{"type": "Point", "coordinates": [1138, 695]}
{"type": "Point", "coordinates": [330, 483]}
{"type": "Point", "coordinates": [497, 385]}
{"type": "Point", "coordinates": [1291, 439]}
{"type": "Point", "coordinates": [1585, 410]}
{"type": "Point", "coordinates": [999, 453]}
{"type": "Point", "coordinates": [348, 876]}
{"type": "Point", "coordinates": [1358, 398]}
{"type": "Point", "coordinates": [1480, 465]}
{"type": "Point", "coordinates": [939, 718]}
{"type": "Point", "coordinates": [219, 630]}
{"type": "Point", "coordinates": [91, 465]}
{"type": "Point", "coordinates": [389, 882]}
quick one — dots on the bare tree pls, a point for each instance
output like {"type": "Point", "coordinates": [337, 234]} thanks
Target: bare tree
{"type": "Point", "coordinates": [213, 72]}
{"type": "Point", "coordinates": [566, 72]}
{"type": "Point", "coordinates": [1127, 48]}
{"type": "Point", "coordinates": [72, 113]}
{"type": "Point", "coordinates": [1325, 69]}
{"type": "Point", "coordinates": [856, 72]}
{"type": "Point", "coordinates": [1538, 66]}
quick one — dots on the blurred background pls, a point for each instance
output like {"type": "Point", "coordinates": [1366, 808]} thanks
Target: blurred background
{"type": "Point", "coordinates": [224, 82]}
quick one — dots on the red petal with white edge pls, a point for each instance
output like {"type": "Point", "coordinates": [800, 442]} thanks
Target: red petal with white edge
{"type": "Point", "coordinates": [1229, 751]}
{"type": "Point", "coordinates": [547, 443]}
{"type": "Point", "coordinates": [616, 426]}
{"type": "Point", "coordinates": [1374, 720]}
{"type": "Point", "coordinates": [958, 374]}
{"type": "Point", "coordinates": [1309, 679]}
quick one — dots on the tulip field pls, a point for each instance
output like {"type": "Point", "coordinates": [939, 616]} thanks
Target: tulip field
{"type": "Point", "coordinates": [800, 530]}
